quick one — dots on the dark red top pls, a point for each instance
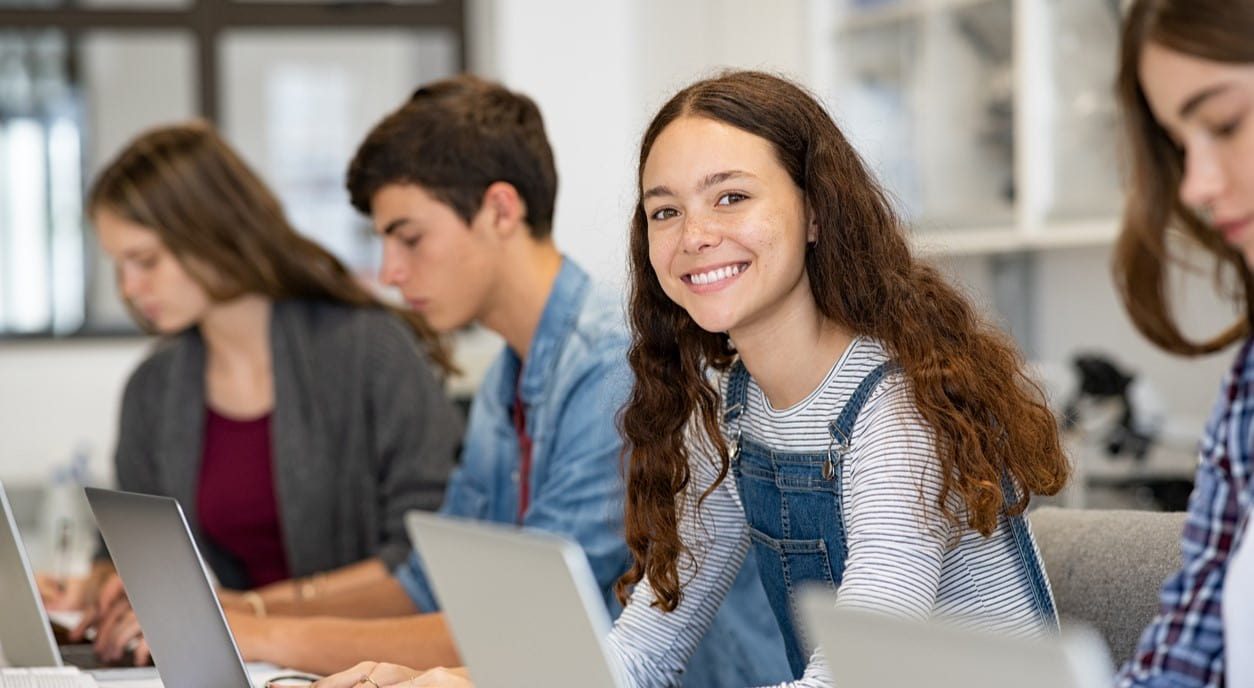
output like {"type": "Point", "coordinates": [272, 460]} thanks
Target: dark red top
{"type": "Point", "coordinates": [235, 498]}
{"type": "Point", "coordinates": [524, 454]}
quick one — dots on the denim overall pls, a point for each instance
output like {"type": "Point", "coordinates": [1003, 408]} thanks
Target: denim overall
{"type": "Point", "coordinates": [793, 506]}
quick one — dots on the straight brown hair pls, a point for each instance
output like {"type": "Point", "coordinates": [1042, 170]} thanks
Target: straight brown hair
{"type": "Point", "coordinates": [210, 209]}
{"type": "Point", "coordinates": [1155, 219]}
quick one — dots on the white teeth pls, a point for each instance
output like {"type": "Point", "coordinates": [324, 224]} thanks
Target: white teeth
{"type": "Point", "coordinates": [718, 275]}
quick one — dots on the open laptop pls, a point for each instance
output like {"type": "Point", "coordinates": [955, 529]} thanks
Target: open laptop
{"type": "Point", "coordinates": [169, 589]}
{"type": "Point", "coordinates": [877, 651]}
{"type": "Point", "coordinates": [522, 604]}
{"type": "Point", "coordinates": [26, 638]}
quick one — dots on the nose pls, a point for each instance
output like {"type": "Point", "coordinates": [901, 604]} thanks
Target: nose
{"type": "Point", "coordinates": [698, 235]}
{"type": "Point", "coordinates": [1204, 177]}
{"type": "Point", "coordinates": [130, 283]}
{"type": "Point", "coordinates": [393, 271]}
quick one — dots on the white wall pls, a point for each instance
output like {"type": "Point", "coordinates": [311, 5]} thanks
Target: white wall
{"type": "Point", "coordinates": [58, 398]}
{"type": "Point", "coordinates": [615, 63]}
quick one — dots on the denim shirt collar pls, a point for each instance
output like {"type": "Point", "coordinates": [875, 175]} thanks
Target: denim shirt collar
{"type": "Point", "coordinates": [561, 312]}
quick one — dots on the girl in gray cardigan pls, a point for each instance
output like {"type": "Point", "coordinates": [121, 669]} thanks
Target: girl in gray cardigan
{"type": "Point", "coordinates": [293, 415]}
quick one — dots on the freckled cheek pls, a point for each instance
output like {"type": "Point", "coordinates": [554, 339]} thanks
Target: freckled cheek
{"type": "Point", "coordinates": [758, 236]}
{"type": "Point", "coordinates": [660, 253]}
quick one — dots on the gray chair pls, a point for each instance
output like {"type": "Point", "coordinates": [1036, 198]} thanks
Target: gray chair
{"type": "Point", "coordinates": [1106, 567]}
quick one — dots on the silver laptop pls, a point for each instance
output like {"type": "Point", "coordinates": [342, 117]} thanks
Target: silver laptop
{"type": "Point", "coordinates": [523, 605]}
{"type": "Point", "coordinates": [25, 635]}
{"type": "Point", "coordinates": [26, 638]}
{"type": "Point", "coordinates": [875, 651]}
{"type": "Point", "coordinates": [169, 589]}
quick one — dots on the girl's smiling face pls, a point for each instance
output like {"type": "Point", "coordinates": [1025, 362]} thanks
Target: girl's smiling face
{"type": "Point", "coordinates": [727, 226]}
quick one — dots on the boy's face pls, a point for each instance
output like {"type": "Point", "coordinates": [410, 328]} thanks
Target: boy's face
{"type": "Point", "coordinates": [445, 268]}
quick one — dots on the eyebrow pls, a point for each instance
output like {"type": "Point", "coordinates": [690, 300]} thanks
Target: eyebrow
{"type": "Point", "coordinates": [707, 182]}
{"type": "Point", "coordinates": [393, 226]}
{"type": "Point", "coordinates": [1193, 103]}
{"type": "Point", "coordinates": [137, 253]}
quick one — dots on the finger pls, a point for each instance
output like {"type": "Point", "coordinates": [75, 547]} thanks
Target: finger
{"type": "Point", "coordinates": [388, 674]}
{"type": "Point", "coordinates": [126, 630]}
{"type": "Point", "coordinates": [440, 678]}
{"type": "Point", "coordinates": [110, 592]}
{"type": "Point", "coordinates": [347, 678]}
{"type": "Point", "coordinates": [108, 626]}
{"type": "Point", "coordinates": [90, 616]}
{"type": "Point", "coordinates": [143, 655]}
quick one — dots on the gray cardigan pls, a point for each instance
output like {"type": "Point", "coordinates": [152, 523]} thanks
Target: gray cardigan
{"type": "Point", "coordinates": [361, 430]}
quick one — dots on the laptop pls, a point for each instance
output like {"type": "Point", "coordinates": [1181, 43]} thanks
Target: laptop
{"type": "Point", "coordinates": [169, 589]}
{"type": "Point", "coordinates": [26, 638]}
{"type": "Point", "coordinates": [522, 604]}
{"type": "Point", "coordinates": [874, 651]}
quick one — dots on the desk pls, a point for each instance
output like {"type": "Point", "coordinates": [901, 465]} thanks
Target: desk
{"type": "Point", "coordinates": [146, 677]}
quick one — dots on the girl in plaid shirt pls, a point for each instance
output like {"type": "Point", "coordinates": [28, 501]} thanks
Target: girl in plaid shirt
{"type": "Point", "coordinates": [1186, 88]}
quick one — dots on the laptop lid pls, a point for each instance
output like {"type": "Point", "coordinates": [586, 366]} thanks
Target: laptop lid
{"type": "Point", "coordinates": [868, 650]}
{"type": "Point", "coordinates": [25, 634]}
{"type": "Point", "coordinates": [169, 589]}
{"type": "Point", "coordinates": [523, 605]}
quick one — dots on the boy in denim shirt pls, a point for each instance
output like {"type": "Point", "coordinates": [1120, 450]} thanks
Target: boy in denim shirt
{"type": "Point", "coordinates": [460, 183]}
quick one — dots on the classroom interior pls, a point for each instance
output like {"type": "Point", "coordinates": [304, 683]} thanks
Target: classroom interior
{"type": "Point", "coordinates": [992, 123]}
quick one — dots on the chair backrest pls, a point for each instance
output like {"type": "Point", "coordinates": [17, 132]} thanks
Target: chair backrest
{"type": "Point", "coordinates": [1107, 566]}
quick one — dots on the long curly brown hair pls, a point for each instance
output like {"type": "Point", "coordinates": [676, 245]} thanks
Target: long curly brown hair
{"type": "Point", "coordinates": [1155, 220]}
{"type": "Point", "coordinates": [968, 379]}
{"type": "Point", "coordinates": [184, 182]}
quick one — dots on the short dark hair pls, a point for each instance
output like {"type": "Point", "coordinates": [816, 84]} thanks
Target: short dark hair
{"type": "Point", "coordinates": [454, 138]}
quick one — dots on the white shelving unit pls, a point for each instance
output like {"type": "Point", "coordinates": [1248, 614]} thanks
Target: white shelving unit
{"type": "Point", "coordinates": [991, 121]}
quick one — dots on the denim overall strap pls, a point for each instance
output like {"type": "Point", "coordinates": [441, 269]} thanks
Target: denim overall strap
{"type": "Point", "coordinates": [734, 404]}
{"type": "Point", "coordinates": [792, 504]}
{"type": "Point", "coordinates": [1031, 558]}
{"type": "Point", "coordinates": [737, 393]}
{"type": "Point", "coordinates": [841, 429]}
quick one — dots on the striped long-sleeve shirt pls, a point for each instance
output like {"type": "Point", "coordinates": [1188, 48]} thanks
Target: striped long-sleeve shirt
{"type": "Point", "coordinates": [904, 558]}
{"type": "Point", "coordinates": [1184, 646]}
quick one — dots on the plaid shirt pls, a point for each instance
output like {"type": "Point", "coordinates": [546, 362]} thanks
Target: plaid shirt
{"type": "Point", "coordinates": [1184, 646]}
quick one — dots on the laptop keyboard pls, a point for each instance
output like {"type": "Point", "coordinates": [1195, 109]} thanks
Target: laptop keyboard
{"type": "Point", "coordinates": [45, 678]}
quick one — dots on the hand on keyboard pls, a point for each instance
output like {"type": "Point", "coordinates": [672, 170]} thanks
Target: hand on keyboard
{"type": "Point", "coordinates": [117, 628]}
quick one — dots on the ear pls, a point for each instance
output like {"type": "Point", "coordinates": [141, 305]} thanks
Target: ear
{"type": "Point", "coordinates": [812, 229]}
{"type": "Point", "coordinates": [504, 209]}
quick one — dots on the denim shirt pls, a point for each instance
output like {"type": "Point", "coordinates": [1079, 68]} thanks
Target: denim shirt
{"type": "Point", "coordinates": [573, 384]}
